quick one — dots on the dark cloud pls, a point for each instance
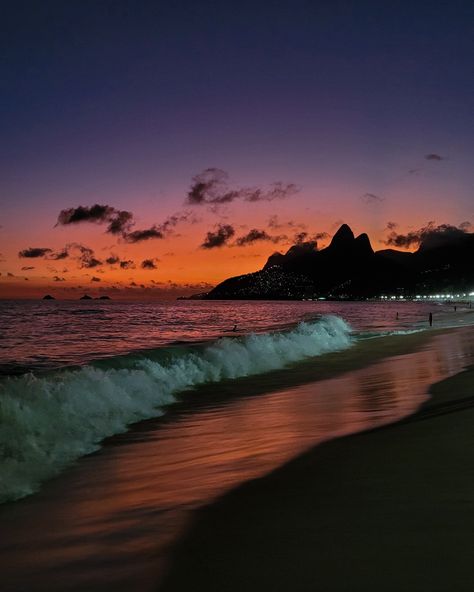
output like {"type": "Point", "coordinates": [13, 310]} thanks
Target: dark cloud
{"type": "Point", "coordinates": [428, 236]}
{"type": "Point", "coordinates": [159, 231]}
{"type": "Point", "coordinates": [219, 237]}
{"type": "Point", "coordinates": [434, 156]}
{"type": "Point", "coordinates": [391, 225]}
{"type": "Point", "coordinates": [256, 235]}
{"type": "Point", "coordinates": [83, 255]}
{"type": "Point", "coordinates": [137, 236]}
{"type": "Point", "coordinates": [96, 213]}
{"type": "Point", "coordinates": [118, 221]}
{"type": "Point", "coordinates": [121, 222]}
{"type": "Point", "coordinates": [371, 198]}
{"type": "Point", "coordinates": [149, 264]}
{"type": "Point", "coordinates": [305, 238]}
{"type": "Point", "coordinates": [112, 260]}
{"type": "Point", "coordinates": [211, 188]}
{"type": "Point", "coordinates": [56, 278]}
{"type": "Point", "coordinates": [27, 268]}
{"type": "Point", "coordinates": [95, 279]}
{"type": "Point", "coordinates": [34, 252]}
{"type": "Point", "coordinates": [10, 274]}
{"type": "Point", "coordinates": [127, 264]}
{"type": "Point", "coordinates": [63, 254]}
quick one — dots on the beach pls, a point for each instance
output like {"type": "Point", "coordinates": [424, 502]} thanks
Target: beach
{"type": "Point", "coordinates": [388, 509]}
{"type": "Point", "coordinates": [209, 495]}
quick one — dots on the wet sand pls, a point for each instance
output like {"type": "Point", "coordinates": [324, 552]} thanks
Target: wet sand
{"type": "Point", "coordinates": [389, 509]}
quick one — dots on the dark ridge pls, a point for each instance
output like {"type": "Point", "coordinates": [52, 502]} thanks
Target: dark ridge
{"type": "Point", "coordinates": [349, 268]}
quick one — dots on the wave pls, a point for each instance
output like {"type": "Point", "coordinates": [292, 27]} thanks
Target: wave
{"type": "Point", "coordinates": [46, 422]}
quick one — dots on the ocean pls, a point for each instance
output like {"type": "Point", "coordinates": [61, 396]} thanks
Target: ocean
{"type": "Point", "coordinates": [118, 419]}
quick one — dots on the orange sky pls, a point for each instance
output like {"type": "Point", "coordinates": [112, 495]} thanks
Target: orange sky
{"type": "Point", "coordinates": [182, 266]}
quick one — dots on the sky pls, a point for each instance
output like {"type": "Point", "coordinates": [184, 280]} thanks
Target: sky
{"type": "Point", "coordinates": [227, 130]}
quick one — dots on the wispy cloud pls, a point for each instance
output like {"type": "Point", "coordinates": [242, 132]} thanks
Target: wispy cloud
{"type": "Point", "coordinates": [211, 187]}
{"type": "Point", "coordinates": [372, 198]}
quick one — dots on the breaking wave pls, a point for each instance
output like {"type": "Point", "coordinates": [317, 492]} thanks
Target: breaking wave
{"type": "Point", "coordinates": [48, 421]}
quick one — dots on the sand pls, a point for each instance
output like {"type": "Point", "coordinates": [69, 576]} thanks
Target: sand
{"type": "Point", "coordinates": [389, 510]}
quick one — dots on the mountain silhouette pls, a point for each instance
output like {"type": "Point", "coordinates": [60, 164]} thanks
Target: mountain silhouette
{"type": "Point", "coordinates": [349, 268]}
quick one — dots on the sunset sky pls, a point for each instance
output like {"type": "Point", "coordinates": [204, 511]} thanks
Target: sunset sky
{"type": "Point", "coordinates": [251, 121]}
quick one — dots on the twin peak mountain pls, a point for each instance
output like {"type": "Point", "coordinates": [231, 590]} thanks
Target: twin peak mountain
{"type": "Point", "coordinates": [349, 268]}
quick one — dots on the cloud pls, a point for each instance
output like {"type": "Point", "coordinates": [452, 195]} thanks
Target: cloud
{"type": "Point", "coordinates": [27, 268]}
{"type": "Point", "coordinates": [112, 260]}
{"type": "Point", "coordinates": [34, 252]}
{"type": "Point", "coordinates": [137, 236]}
{"type": "Point", "coordinates": [95, 279]}
{"type": "Point", "coordinates": [85, 256]}
{"type": "Point", "coordinates": [127, 264]}
{"type": "Point", "coordinates": [56, 278]}
{"type": "Point", "coordinates": [429, 235]}
{"type": "Point", "coordinates": [305, 238]}
{"type": "Point", "coordinates": [255, 235]}
{"type": "Point", "coordinates": [391, 225]}
{"type": "Point", "coordinates": [149, 264]}
{"type": "Point", "coordinates": [434, 156]}
{"type": "Point", "coordinates": [371, 198]}
{"type": "Point", "coordinates": [219, 237]}
{"type": "Point", "coordinates": [119, 221]}
{"type": "Point", "coordinates": [175, 219]}
{"type": "Point", "coordinates": [10, 274]}
{"type": "Point", "coordinates": [276, 224]}
{"type": "Point", "coordinates": [211, 188]}
{"type": "Point", "coordinates": [63, 254]}
{"type": "Point", "coordinates": [159, 231]}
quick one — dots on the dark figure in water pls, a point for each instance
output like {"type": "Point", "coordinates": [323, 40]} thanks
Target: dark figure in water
{"type": "Point", "coordinates": [431, 319]}
{"type": "Point", "coordinates": [455, 308]}
{"type": "Point", "coordinates": [397, 316]}
{"type": "Point", "coordinates": [235, 328]}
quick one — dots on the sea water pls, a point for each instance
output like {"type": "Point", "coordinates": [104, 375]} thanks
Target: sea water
{"type": "Point", "coordinates": [74, 373]}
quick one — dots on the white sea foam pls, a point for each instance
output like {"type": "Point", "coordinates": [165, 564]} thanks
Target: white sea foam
{"type": "Point", "coordinates": [48, 422]}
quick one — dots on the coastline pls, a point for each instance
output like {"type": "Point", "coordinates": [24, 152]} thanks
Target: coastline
{"type": "Point", "coordinates": [388, 509]}
{"type": "Point", "coordinates": [114, 520]}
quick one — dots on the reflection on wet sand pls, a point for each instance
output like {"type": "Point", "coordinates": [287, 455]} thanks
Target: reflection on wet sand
{"type": "Point", "coordinates": [109, 522]}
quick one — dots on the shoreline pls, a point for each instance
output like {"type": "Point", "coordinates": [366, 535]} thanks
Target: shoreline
{"type": "Point", "coordinates": [387, 509]}
{"type": "Point", "coordinates": [115, 518]}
